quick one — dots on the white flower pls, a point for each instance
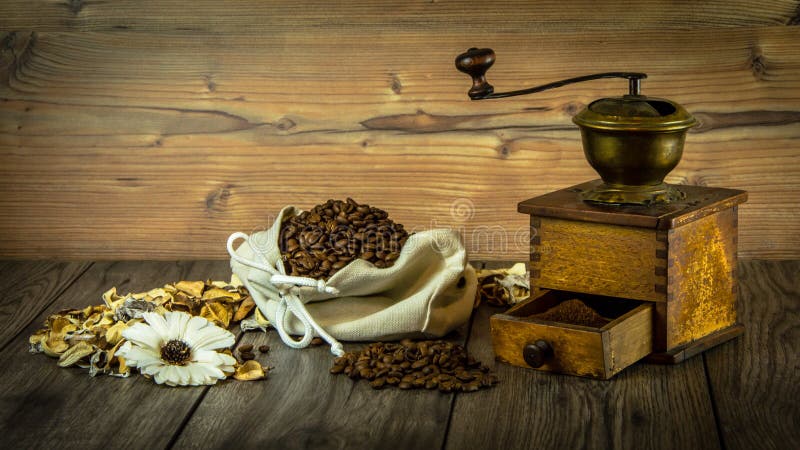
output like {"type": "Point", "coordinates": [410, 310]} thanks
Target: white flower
{"type": "Point", "coordinates": [178, 349]}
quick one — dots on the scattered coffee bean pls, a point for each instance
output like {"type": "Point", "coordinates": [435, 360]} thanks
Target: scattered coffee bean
{"type": "Point", "coordinates": [245, 348]}
{"type": "Point", "coordinates": [320, 242]}
{"type": "Point", "coordinates": [263, 348]}
{"type": "Point", "coordinates": [317, 341]}
{"type": "Point", "coordinates": [431, 365]}
{"type": "Point", "coordinates": [247, 356]}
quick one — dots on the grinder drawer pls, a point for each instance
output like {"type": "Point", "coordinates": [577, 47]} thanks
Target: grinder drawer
{"type": "Point", "coordinates": [599, 351]}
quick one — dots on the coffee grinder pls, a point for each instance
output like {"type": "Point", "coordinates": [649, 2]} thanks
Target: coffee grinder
{"type": "Point", "coordinates": [657, 260]}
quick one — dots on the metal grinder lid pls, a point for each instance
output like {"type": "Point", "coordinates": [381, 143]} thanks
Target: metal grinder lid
{"type": "Point", "coordinates": [635, 113]}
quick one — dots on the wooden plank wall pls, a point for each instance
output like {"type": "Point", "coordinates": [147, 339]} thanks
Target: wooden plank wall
{"type": "Point", "coordinates": [153, 129]}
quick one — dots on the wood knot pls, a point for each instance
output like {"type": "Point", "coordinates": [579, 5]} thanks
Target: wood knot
{"type": "Point", "coordinates": [757, 63]}
{"type": "Point", "coordinates": [396, 85]}
{"type": "Point", "coordinates": [696, 180]}
{"type": "Point", "coordinates": [210, 84]}
{"type": "Point", "coordinates": [75, 6]}
{"type": "Point", "coordinates": [572, 108]}
{"type": "Point", "coordinates": [638, 418]}
{"type": "Point", "coordinates": [795, 19]}
{"type": "Point", "coordinates": [285, 123]}
{"type": "Point", "coordinates": [504, 150]}
{"type": "Point", "coordinates": [217, 199]}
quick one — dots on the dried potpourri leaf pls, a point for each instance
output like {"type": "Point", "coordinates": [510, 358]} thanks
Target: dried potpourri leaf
{"type": "Point", "coordinates": [256, 321]}
{"type": "Point", "coordinates": [216, 293]}
{"type": "Point", "coordinates": [36, 340]}
{"type": "Point", "coordinates": [250, 371]}
{"type": "Point", "coordinates": [133, 308]}
{"type": "Point", "coordinates": [218, 313]}
{"type": "Point", "coordinates": [114, 333]}
{"type": "Point", "coordinates": [111, 299]}
{"type": "Point", "coordinates": [193, 288]}
{"type": "Point", "coordinates": [75, 354]}
{"type": "Point", "coordinates": [244, 309]}
{"type": "Point", "coordinates": [56, 344]}
{"type": "Point", "coordinates": [182, 302]}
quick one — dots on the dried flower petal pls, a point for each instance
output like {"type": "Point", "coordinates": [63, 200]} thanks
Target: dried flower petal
{"type": "Point", "coordinates": [133, 308]}
{"type": "Point", "coordinates": [250, 371]}
{"type": "Point", "coordinates": [114, 333]}
{"type": "Point", "coordinates": [37, 340]}
{"type": "Point", "coordinates": [257, 321]}
{"type": "Point", "coordinates": [193, 288]}
{"type": "Point", "coordinates": [75, 354]}
{"type": "Point", "coordinates": [244, 309]}
{"type": "Point", "coordinates": [218, 313]}
{"type": "Point", "coordinates": [216, 293]}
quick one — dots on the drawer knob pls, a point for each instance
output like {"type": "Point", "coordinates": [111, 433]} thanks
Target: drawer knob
{"type": "Point", "coordinates": [537, 353]}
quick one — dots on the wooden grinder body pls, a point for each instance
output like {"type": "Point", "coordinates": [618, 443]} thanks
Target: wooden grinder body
{"type": "Point", "coordinates": [677, 260]}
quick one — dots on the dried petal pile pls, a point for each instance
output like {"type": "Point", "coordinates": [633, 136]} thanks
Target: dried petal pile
{"type": "Point", "coordinates": [90, 337]}
{"type": "Point", "coordinates": [503, 287]}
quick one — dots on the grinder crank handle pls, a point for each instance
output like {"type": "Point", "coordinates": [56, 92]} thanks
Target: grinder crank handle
{"type": "Point", "coordinates": [476, 61]}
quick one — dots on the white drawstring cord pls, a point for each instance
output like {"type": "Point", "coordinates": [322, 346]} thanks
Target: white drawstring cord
{"type": "Point", "coordinates": [288, 301]}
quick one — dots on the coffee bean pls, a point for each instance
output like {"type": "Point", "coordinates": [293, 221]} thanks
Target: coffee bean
{"type": "Point", "coordinates": [245, 348]}
{"type": "Point", "coordinates": [247, 356]}
{"type": "Point", "coordinates": [317, 341]}
{"type": "Point", "coordinates": [378, 383]}
{"type": "Point", "coordinates": [470, 387]}
{"type": "Point", "coordinates": [420, 363]}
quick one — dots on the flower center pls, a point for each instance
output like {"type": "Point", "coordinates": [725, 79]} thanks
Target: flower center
{"type": "Point", "coordinates": [176, 352]}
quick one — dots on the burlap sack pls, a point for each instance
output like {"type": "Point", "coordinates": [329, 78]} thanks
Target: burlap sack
{"type": "Point", "coordinates": [428, 292]}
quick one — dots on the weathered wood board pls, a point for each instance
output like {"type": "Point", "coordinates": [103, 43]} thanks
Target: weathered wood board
{"type": "Point", "coordinates": [151, 130]}
{"type": "Point", "coordinates": [740, 395]}
{"type": "Point", "coordinates": [43, 405]}
{"type": "Point", "coordinates": [755, 380]}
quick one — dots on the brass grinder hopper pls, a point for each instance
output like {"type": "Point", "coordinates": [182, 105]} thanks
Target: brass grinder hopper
{"type": "Point", "coordinates": [632, 141]}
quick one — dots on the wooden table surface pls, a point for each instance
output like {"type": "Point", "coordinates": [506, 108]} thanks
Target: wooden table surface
{"type": "Point", "coordinates": [741, 395]}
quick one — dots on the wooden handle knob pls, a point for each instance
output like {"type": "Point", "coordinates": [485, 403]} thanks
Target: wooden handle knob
{"type": "Point", "coordinates": [537, 354]}
{"type": "Point", "coordinates": [475, 62]}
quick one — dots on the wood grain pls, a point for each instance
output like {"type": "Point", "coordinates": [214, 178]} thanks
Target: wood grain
{"type": "Point", "coordinates": [247, 17]}
{"type": "Point", "coordinates": [576, 350]}
{"type": "Point", "coordinates": [302, 406]}
{"type": "Point", "coordinates": [755, 379]}
{"type": "Point", "coordinates": [42, 404]}
{"type": "Point", "coordinates": [28, 287]}
{"type": "Point", "coordinates": [596, 258]}
{"type": "Point", "coordinates": [753, 386]}
{"type": "Point", "coordinates": [645, 406]}
{"type": "Point", "coordinates": [701, 292]}
{"type": "Point", "coordinates": [144, 130]}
